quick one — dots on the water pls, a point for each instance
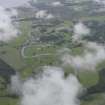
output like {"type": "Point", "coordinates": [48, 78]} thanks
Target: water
{"type": "Point", "coordinates": [12, 3]}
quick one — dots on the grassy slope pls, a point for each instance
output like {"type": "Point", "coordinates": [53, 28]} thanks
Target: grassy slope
{"type": "Point", "coordinates": [12, 49]}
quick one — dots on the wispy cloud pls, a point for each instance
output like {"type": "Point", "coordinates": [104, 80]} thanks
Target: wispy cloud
{"type": "Point", "coordinates": [43, 14]}
{"type": "Point", "coordinates": [16, 85]}
{"type": "Point", "coordinates": [51, 87]}
{"type": "Point", "coordinates": [88, 60]}
{"type": "Point", "coordinates": [57, 3]}
{"type": "Point", "coordinates": [7, 29]}
{"type": "Point", "coordinates": [80, 30]}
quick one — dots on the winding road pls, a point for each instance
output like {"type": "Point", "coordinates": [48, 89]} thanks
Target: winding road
{"type": "Point", "coordinates": [34, 56]}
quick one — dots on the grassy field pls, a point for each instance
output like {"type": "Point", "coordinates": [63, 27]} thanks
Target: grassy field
{"type": "Point", "coordinates": [94, 18]}
{"type": "Point", "coordinates": [9, 101]}
{"type": "Point", "coordinates": [40, 49]}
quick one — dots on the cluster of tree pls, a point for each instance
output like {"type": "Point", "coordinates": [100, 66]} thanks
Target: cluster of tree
{"type": "Point", "coordinates": [97, 32]}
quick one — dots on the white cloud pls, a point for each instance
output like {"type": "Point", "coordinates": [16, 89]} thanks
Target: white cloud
{"type": "Point", "coordinates": [49, 16]}
{"type": "Point", "coordinates": [51, 88]}
{"type": "Point", "coordinates": [88, 60]}
{"type": "Point", "coordinates": [16, 85]}
{"type": "Point", "coordinates": [7, 30]}
{"type": "Point", "coordinates": [57, 3]}
{"type": "Point", "coordinates": [43, 14]}
{"type": "Point", "coordinates": [80, 30]}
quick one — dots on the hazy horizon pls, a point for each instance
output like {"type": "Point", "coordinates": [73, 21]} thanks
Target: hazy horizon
{"type": "Point", "coordinates": [12, 3]}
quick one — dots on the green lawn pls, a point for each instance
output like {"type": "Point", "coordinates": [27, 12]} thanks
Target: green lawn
{"type": "Point", "coordinates": [8, 101]}
{"type": "Point", "coordinates": [88, 78]}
